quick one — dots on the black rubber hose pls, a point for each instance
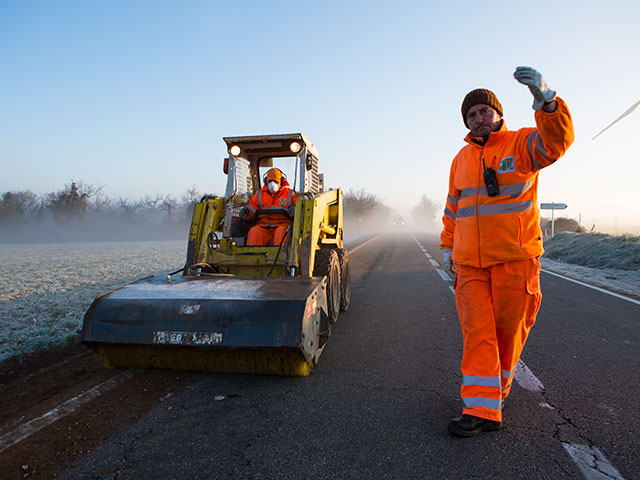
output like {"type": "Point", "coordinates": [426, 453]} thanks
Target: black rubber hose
{"type": "Point", "coordinates": [286, 234]}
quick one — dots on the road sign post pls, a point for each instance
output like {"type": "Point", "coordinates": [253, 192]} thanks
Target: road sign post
{"type": "Point", "coordinates": [553, 207]}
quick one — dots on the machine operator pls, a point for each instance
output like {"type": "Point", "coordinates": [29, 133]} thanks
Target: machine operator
{"type": "Point", "coordinates": [272, 208]}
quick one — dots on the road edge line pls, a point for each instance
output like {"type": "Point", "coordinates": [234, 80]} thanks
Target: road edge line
{"type": "Point", "coordinates": [65, 408]}
{"type": "Point", "coordinates": [353, 250]}
{"type": "Point", "coordinates": [602, 290]}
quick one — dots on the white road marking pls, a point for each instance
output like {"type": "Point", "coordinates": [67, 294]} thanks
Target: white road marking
{"type": "Point", "coordinates": [443, 275]}
{"type": "Point", "coordinates": [632, 300]}
{"type": "Point", "coordinates": [36, 424]}
{"type": "Point", "coordinates": [353, 250]}
{"type": "Point", "coordinates": [591, 462]}
{"type": "Point", "coordinates": [434, 263]}
{"type": "Point", "coordinates": [526, 379]}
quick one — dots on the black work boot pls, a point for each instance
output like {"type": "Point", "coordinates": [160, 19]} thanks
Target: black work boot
{"type": "Point", "coordinates": [468, 425]}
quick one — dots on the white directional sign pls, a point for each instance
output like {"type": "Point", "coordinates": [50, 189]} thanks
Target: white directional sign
{"type": "Point", "coordinates": [553, 206]}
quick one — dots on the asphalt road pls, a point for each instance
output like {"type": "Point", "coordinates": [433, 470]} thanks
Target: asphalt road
{"type": "Point", "coordinates": [377, 404]}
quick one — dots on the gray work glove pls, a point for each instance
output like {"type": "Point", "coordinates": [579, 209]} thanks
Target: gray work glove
{"type": "Point", "coordinates": [531, 78]}
{"type": "Point", "coordinates": [448, 259]}
{"type": "Point", "coordinates": [244, 213]}
{"type": "Point", "coordinates": [291, 211]}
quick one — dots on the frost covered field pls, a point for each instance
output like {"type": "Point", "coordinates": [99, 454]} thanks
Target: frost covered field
{"type": "Point", "coordinates": [46, 289]}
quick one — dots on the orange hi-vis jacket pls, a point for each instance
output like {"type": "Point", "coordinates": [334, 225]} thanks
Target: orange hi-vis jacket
{"type": "Point", "coordinates": [483, 230]}
{"type": "Point", "coordinates": [271, 209]}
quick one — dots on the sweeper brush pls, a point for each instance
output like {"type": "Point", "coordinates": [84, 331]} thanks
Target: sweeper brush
{"type": "Point", "coordinates": [237, 308]}
{"type": "Point", "coordinates": [211, 323]}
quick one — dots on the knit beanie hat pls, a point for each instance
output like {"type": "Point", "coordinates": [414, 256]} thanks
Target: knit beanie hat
{"type": "Point", "coordinates": [480, 96]}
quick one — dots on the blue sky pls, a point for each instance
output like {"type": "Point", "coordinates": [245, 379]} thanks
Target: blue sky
{"type": "Point", "coordinates": [137, 95]}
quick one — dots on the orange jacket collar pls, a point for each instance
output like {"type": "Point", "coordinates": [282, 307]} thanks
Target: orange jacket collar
{"type": "Point", "coordinates": [479, 141]}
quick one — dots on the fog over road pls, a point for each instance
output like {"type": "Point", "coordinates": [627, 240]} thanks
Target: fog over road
{"type": "Point", "coordinates": [377, 404]}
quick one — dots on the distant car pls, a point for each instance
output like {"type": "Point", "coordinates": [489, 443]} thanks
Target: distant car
{"type": "Point", "coordinates": [398, 220]}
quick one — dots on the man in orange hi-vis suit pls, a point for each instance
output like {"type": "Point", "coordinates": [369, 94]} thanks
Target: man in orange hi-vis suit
{"type": "Point", "coordinates": [273, 207]}
{"type": "Point", "coordinates": [492, 239]}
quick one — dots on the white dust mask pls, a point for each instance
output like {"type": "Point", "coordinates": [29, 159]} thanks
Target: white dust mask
{"type": "Point", "coordinates": [274, 186]}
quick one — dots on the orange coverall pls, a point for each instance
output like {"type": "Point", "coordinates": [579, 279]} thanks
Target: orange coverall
{"type": "Point", "coordinates": [496, 243]}
{"type": "Point", "coordinates": [271, 211]}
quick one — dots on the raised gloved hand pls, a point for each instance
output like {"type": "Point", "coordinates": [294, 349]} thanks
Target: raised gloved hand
{"type": "Point", "coordinates": [244, 213]}
{"type": "Point", "coordinates": [291, 211]}
{"type": "Point", "coordinates": [531, 78]}
{"type": "Point", "coordinates": [448, 259]}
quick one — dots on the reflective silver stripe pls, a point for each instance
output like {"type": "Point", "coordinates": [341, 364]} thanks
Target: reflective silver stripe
{"type": "Point", "coordinates": [466, 212]}
{"type": "Point", "coordinates": [506, 374]}
{"type": "Point", "coordinates": [449, 214]}
{"type": "Point", "coordinates": [542, 150]}
{"type": "Point", "coordinates": [453, 200]}
{"type": "Point", "coordinates": [539, 145]}
{"type": "Point", "coordinates": [484, 381]}
{"type": "Point", "coordinates": [499, 208]}
{"type": "Point", "coordinates": [492, 403]}
{"type": "Point", "coordinates": [251, 208]}
{"type": "Point", "coordinates": [260, 199]}
{"type": "Point", "coordinates": [506, 386]}
{"type": "Point", "coordinates": [290, 195]}
{"type": "Point", "coordinates": [495, 209]}
{"type": "Point", "coordinates": [471, 192]}
{"type": "Point", "coordinates": [512, 190]}
{"type": "Point", "coordinates": [516, 189]}
{"type": "Point", "coordinates": [530, 138]}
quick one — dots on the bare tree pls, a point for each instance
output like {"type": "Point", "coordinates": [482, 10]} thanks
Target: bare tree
{"type": "Point", "coordinates": [102, 205]}
{"type": "Point", "coordinates": [70, 204]}
{"type": "Point", "coordinates": [189, 200]}
{"type": "Point", "coordinates": [169, 204]}
{"type": "Point", "coordinates": [360, 203]}
{"type": "Point", "coordinates": [128, 208]}
{"type": "Point", "coordinates": [149, 206]}
{"type": "Point", "coordinates": [18, 205]}
{"type": "Point", "coordinates": [425, 212]}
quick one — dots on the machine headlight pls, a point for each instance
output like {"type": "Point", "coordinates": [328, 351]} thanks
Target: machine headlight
{"type": "Point", "coordinates": [295, 147]}
{"type": "Point", "coordinates": [235, 150]}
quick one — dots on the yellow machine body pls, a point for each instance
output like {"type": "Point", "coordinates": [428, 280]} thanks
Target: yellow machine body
{"type": "Point", "coordinates": [237, 308]}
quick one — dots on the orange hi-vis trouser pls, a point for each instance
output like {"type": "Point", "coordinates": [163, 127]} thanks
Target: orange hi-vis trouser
{"type": "Point", "coordinates": [261, 234]}
{"type": "Point", "coordinates": [497, 307]}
